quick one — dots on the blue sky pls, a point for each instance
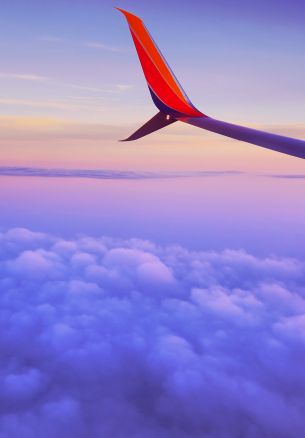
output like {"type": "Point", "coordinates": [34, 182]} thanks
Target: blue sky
{"type": "Point", "coordinates": [240, 59]}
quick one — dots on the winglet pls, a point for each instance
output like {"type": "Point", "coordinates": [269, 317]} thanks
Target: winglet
{"type": "Point", "coordinates": [159, 121]}
{"type": "Point", "coordinates": [166, 92]}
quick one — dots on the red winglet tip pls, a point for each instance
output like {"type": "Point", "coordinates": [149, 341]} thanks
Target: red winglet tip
{"type": "Point", "coordinates": [128, 15]}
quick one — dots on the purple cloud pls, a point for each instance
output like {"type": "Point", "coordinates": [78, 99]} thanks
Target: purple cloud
{"type": "Point", "coordinates": [108, 174]}
{"type": "Point", "coordinates": [103, 337]}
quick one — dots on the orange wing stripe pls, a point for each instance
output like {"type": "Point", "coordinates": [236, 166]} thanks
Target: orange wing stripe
{"type": "Point", "coordinates": [156, 70]}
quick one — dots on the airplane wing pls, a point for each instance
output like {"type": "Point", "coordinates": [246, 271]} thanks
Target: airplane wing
{"type": "Point", "coordinates": [174, 105]}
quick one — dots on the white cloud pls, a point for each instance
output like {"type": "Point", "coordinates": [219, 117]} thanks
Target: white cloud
{"type": "Point", "coordinates": [104, 337]}
{"type": "Point", "coordinates": [24, 77]}
{"type": "Point", "coordinates": [67, 104]}
{"type": "Point", "coordinates": [124, 87]}
{"type": "Point", "coordinates": [109, 89]}
{"type": "Point", "coordinates": [102, 46]}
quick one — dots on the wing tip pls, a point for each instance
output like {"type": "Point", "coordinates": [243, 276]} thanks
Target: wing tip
{"type": "Point", "coordinates": [120, 9]}
{"type": "Point", "coordinates": [128, 15]}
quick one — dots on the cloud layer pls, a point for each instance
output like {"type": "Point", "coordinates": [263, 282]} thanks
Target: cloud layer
{"type": "Point", "coordinates": [105, 173]}
{"type": "Point", "coordinates": [101, 337]}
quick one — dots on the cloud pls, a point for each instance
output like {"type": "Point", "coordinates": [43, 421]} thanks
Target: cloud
{"type": "Point", "coordinates": [102, 46]}
{"type": "Point", "coordinates": [108, 89]}
{"type": "Point", "coordinates": [61, 104]}
{"type": "Point", "coordinates": [124, 87]}
{"type": "Point", "coordinates": [24, 77]}
{"type": "Point", "coordinates": [90, 44]}
{"type": "Point", "coordinates": [105, 173]}
{"type": "Point", "coordinates": [102, 336]}
{"type": "Point", "coordinates": [288, 176]}
{"type": "Point", "coordinates": [55, 104]}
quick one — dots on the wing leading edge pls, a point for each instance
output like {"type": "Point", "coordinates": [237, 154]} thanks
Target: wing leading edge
{"type": "Point", "coordinates": [174, 105]}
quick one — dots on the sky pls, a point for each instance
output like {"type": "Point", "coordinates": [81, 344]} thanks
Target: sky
{"type": "Point", "coordinates": [151, 288]}
{"type": "Point", "coordinates": [71, 80]}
